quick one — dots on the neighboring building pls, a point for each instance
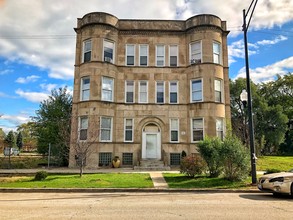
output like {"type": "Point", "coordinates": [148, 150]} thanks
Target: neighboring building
{"type": "Point", "coordinates": [148, 89]}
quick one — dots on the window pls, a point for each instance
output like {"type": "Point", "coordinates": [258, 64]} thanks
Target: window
{"type": "Point", "coordinates": [218, 90]}
{"type": "Point", "coordinates": [107, 89]}
{"type": "Point", "coordinates": [196, 90]}
{"type": "Point", "coordinates": [83, 126]}
{"type": "Point", "coordinates": [128, 130]}
{"type": "Point", "coordinates": [85, 89]}
{"type": "Point", "coordinates": [174, 130]}
{"type": "Point", "coordinates": [129, 92]}
{"type": "Point", "coordinates": [195, 52]}
{"type": "Point", "coordinates": [143, 92]}
{"type": "Point", "coordinates": [105, 159]}
{"type": "Point", "coordinates": [87, 51]}
{"type": "Point", "coordinates": [106, 129]}
{"type": "Point", "coordinates": [175, 159]}
{"type": "Point", "coordinates": [108, 51]}
{"type": "Point", "coordinates": [220, 128]}
{"type": "Point", "coordinates": [160, 95]}
{"type": "Point", "coordinates": [127, 158]}
{"type": "Point", "coordinates": [160, 55]}
{"type": "Point", "coordinates": [217, 52]}
{"type": "Point", "coordinates": [130, 55]}
{"type": "Point", "coordinates": [173, 88]}
{"type": "Point", "coordinates": [197, 129]}
{"type": "Point", "coordinates": [173, 53]}
{"type": "Point", "coordinates": [143, 55]}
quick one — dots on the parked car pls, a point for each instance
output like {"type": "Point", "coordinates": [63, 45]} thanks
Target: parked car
{"type": "Point", "coordinates": [277, 183]}
{"type": "Point", "coordinates": [10, 151]}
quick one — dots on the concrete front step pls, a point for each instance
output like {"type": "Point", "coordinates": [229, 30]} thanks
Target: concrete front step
{"type": "Point", "coordinates": [153, 165]}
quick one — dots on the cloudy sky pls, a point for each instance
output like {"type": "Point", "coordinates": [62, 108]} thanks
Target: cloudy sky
{"type": "Point", "coordinates": [37, 42]}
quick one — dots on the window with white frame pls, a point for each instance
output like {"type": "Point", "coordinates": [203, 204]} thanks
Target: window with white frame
{"type": "Point", "coordinates": [160, 94]}
{"type": "Point", "coordinates": [106, 129]}
{"type": "Point", "coordinates": [195, 52]}
{"type": "Point", "coordinates": [220, 128]}
{"type": "Point", "coordinates": [173, 89]}
{"type": "Point", "coordinates": [129, 91]}
{"type": "Point", "coordinates": [196, 90]}
{"type": "Point", "coordinates": [128, 130]}
{"type": "Point", "coordinates": [130, 55]}
{"type": "Point", "coordinates": [143, 55]}
{"type": "Point", "coordinates": [87, 51]}
{"type": "Point", "coordinates": [83, 126]}
{"type": "Point", "coordinates": [160, 55]}
{"type": "Point", "coordinates": [217, 52]}
{"type": "Point", "coordinates": [173, 53]}
{"type": "Point", "coordinates": [218, 90]}
{"type": "Point", "coordinates": [197, 129]}
{"type": "Point", "coordinates": [107, 88]}
{"type": "Point", "coordinates": [85, 89]}
{"type": "Point", "coordinates": [174, 130]}
{"type": "Point", "coordinates": [143, 92]}
{"type": "Point", "coordinates": [108, 51]}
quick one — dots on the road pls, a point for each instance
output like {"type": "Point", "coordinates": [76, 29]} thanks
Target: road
{"type": "Point", "coordinates": [144, 206]}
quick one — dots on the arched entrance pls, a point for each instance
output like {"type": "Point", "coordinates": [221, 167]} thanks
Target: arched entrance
{"type": "Point", "coordinates": [151, 142]}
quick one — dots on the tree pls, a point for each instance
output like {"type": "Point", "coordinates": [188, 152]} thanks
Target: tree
{"type": "Point", "coordinates": [269, 118]}
{"type": "Point", "coordinates": [19, 142]}
{"type": "Point", "coordinates": [2, 137]}
{"type": "Point", "coordinates": [10, 143]}
{"type": "Point", "coordinates": [28, 131]}
{"type": "Point", "coordinates": [53, 121]}
{"type": "Point", "coordinates": [82, 145]}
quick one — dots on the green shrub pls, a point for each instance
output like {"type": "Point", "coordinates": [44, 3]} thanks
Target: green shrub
{"type": "Point", "coordinates": [192, 165]}
{"type": "Point", "coordinates": [235, 158]}
{"type": "Point", "coordinates": [41, 175]}
{"type": "Point", "coordinates": [209, 149]}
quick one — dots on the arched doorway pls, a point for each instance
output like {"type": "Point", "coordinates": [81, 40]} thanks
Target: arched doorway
{"type": "Point", "coordinates": [151, 142]}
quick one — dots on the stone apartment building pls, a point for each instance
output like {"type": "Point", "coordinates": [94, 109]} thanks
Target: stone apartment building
{"type": "Point", "coordinates": [148, 89]}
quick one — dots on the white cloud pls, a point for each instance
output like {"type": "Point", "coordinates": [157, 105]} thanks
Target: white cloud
{"type": "Point", "coordinates": [48, 87]}
{"type": "Point", "coordinates": [236, 49]}
{"type": "Point", "coordinates": [10, 122]}
{"type": "Point", "coordinates": [28, 79]}
{"type": "Point", "coordinates": [32, 96]}
{"type": "Point", "coordinates": [269, 72]}
{"type": "Point", "coordinates": [4, 72]}
{"type": "Point", "coordinates": [274, 41]}
{"type": "Point", "coordinates": [40, 33]}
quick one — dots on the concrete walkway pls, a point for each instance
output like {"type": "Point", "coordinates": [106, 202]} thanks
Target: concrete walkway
{"type": "Point", "coordinates": [158, 180]}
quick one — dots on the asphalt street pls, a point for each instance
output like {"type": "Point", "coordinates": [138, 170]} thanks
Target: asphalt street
{"type": "Point", "coordinates": [192, 205]}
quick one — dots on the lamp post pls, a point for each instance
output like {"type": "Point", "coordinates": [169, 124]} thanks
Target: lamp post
{"type": "Point", "coordinates": [250, 119]}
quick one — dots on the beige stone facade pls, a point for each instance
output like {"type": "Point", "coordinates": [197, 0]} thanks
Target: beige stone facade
{"type": "Point", "coordinates": [148, 89]}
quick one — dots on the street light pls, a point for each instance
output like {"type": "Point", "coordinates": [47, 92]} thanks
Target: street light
{"type": "Point", "coordinates": [243, 97]}
{"type": "Point", "coordinates": [250, 119]}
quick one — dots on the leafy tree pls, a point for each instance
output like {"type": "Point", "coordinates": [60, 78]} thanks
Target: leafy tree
{"type": "Point", "coordinates": [53, 121]}
{"type": "Point", "coordinates": [19, 142]}
{"type": "Point", "coordinates": [209, 149]}
{"type": "Point", "coordinates": [28, 131]}
{"type": "Point", "coordinates": [269, 118]}
{"type": "Point", "coordinates": [10, 143]}
{"type": "Point", "coordinates": [2, 137]}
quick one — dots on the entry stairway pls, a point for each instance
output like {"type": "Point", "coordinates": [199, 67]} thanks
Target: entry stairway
{"type": "Point", "coordinates": [151, 164]}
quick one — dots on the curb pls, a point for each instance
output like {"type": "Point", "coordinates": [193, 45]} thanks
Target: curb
{"type": "Point", "coordinates": [122, 190]}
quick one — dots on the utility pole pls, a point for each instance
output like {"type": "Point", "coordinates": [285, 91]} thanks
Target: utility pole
{"type": "Point", "coordinates": [250, 118]}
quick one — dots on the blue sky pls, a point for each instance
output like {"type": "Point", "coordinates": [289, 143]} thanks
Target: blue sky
{"type": "Point", "coordinates": [37, 42]}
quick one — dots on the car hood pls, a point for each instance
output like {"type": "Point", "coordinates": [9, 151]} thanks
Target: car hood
{"type": "Point", "coordinates": [274, 175]}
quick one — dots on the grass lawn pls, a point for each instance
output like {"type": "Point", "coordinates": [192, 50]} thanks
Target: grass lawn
{"type": "Point", "coordinates": [281, 163]}
{"type": "Point", "coordinates": [182, 181]}
{"type": "Point", "coordinates": [109, 180]}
